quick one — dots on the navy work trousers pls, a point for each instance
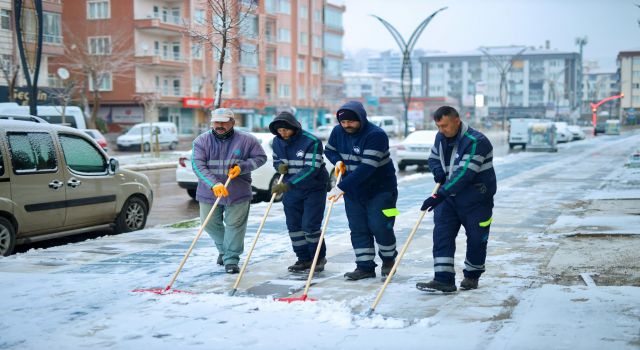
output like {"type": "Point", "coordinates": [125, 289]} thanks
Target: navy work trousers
{"type": "Point", "coordinates": [448, 217]}
{"type": "Point", "coordinates": [304, 210]}
{"type": "Point", "coordinates": [368, 223]}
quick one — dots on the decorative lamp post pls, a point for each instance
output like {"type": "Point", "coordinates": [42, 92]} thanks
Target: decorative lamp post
{"type": "Point", "coordinates": [406, 76]}
{"type": "Point", "coordinates": [28, 24]}
{"type": "Point", "coordinates": [503, 70]}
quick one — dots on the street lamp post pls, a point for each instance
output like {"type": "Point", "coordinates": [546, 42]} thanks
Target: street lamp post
{"type": "Point", "coordinates": [503, 70]}
{"type": "Point", "coordinates": [581, 41]}
{"type": "Point", "coordinates": [406, 75]}
{"type": "Point", "coordinates": [29, 39]}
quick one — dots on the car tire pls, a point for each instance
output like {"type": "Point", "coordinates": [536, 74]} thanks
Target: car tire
{"type": "Point", "coordinates": [192, 193]}
{"type": "Point", "coordinates": [133, 216]}
{"type": "Point", "coordinates": [7, 237]}
{"type": "Point", "coordinates": [402, 166]}
{"type": "Point", "coordinates": [267, 194]}
{"type": "Point", "coordinates": [146, 147]}
{"type": "Point", "coordinates": [173, 145]}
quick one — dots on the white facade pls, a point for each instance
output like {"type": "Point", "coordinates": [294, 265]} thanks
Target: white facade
{"type": "Point", "coordinates": [629, 67]}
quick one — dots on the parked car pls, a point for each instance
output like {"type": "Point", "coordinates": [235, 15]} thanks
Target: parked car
{"type": "Point", "coordinates": [324, 131]}
{"type": "Point", "coordinates": [166, 132]}
{"type": "Point", "coordinates": [415, 149]}
{"type": "Point", "coordinates": [100, 139]}
{"type": "Point", "coordinates": [576, 132]}
{"type": "Point", "coordinates": [73, 115]}
{"type": "Point", "coordinates": [519, 131]}
{"type": "Point", "coordinates": [562, 132]}
{"type": "Point", "coordinates": [634, 160]}
{"type": "Point", "coordinates": [389, 124]}
{"type": "Point", "coordinates": [263, 178]}
{"type": "Point", "coordinates": [56, 181]}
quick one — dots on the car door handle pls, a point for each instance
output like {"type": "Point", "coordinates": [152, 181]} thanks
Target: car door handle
{"type": "Point", "coordinates": [73, 183]}
{"type": "Point", "coordinates": [55, 184]}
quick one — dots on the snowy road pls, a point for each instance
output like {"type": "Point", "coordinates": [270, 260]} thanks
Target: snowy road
{"type": "Point", "coordinates": [558, 216]}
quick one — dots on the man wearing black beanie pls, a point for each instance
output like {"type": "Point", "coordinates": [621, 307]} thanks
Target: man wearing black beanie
{"type": "Point", "coordinates": [360, 150]}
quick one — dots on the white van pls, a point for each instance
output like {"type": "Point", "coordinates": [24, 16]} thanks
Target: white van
{"type": "Point", "coordinates": [389, 124]}
{"type": "Point", "coordinates": [141, 133]}
{"type": "Point", "coordinates": [519, 131]}
{"type": "Point", "coordinates": [73, 115]}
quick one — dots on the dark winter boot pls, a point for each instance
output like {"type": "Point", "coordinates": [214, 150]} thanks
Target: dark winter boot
{"type": "Point", "coordinates": [385, 270]}
{"type": "Point", "coordinates": [469, 283]}
{"type": "Point", "coordinates": [358, 274]}
{"type": "Point", "coordinates": [219, 262]}
{"type": "Point", "coordinates": [433, 286]}
{"type": "Point", "coordinates": [300, 266]}
{"type": "Point", "coordinates": [320, 264]}
{"type": "Point", "coordinates": [231, 268]}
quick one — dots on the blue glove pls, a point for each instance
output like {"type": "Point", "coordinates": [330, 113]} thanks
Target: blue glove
{"type": "Point", "coordinates": [439, 177]}
{"type": "Point", "coordinates": [431, 202]}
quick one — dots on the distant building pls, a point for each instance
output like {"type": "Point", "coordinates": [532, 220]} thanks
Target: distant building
{"type": "Point", "coordinates": [541, 82]}
{"type": "Point", "coordinates": [290, 55]}
{"type": "Point", "coordinates": [628, 63]}
{"type": "Point", "coordinates": [389, 63]}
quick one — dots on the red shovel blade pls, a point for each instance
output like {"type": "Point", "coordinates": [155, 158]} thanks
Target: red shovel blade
{"type": "Point", "coordinates": [292, 299]}
{"type": "Point", "coordinates": [160, 291]}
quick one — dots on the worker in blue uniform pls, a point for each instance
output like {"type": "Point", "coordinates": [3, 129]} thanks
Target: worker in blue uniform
{"type": "Point", "coordinates": [360, 150]}
{"type": "Point", "coordinates": [461, 160]}
{"type": "Point", "coordinates": [298, 155]}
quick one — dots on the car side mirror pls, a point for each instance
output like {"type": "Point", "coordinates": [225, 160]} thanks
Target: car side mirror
{"type": "Point", "coordinates": [114, 165]}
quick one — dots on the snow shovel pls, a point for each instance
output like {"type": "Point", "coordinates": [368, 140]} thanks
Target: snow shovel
{"type": "Point", "coordinates": [186, 256]}
{"type": "Point", "coordinates": [402, 251]}
{"type": "Point", "coordinates": [246, 260]}
{"type": "Point", "coordinates": [317, 254]}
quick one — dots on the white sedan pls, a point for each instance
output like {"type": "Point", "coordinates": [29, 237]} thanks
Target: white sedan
{"type": "Point", "coordinates": [415, 149]}
{"type": "Point", "coordinates": [263, 178]}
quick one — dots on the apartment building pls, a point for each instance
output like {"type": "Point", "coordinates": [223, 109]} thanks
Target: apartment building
{"type": "Point", "coordinates": [628, 63]}
{"type": "Point", "coordinates": [540, 82]}
{"type": "Point", "coordinates": [10, 57]}
{"type": "Point", "coordinates": [286, 56]}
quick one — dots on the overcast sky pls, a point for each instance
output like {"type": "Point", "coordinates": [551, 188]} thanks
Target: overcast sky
{"type": "Point", "coordinates": [610, 25]}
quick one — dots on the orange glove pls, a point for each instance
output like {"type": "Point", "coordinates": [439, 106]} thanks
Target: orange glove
{"type": "Point", "coordinates": [219, 190]}
{"type": "Point", "coordinates": [340, 168]}
{"type": "Point", "coordinates": [234, 171]}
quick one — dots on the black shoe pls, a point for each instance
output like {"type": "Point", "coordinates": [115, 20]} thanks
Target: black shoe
{"type": "Point", "coordinates": [358, 274]}
{"type": "Point", "coordinates": [231, 268]}
{"type": "Point", "coordinates": [469, 283]}
{"type": "Point", "coordinates": [300, 266]}
{"type": "Point", "coordinates": [385, 270]}
{"type": "Point", "coordinates": [434, 285]}
{"type": "Point", "coordinates": [320, 264]}
{"type": "Point", "coordinates": [219, 262]}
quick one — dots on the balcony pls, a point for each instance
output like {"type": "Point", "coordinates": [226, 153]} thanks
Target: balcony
{"type": "Point", "coordinates": [162, 61]}
{"type": "Point", "coordinates": [160, 25]}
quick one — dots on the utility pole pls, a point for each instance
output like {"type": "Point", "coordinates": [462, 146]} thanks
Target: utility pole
{"type": "Point", "coordinates": [406, 76]}
{"type": "Point", "coordinates": [580, 41]}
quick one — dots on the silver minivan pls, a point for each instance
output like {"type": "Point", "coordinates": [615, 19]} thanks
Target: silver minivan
{"type": "Point", "coordinates": [57, 181]}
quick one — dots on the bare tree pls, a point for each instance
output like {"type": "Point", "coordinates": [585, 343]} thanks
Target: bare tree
{"type": "Point", "coordinates": [108, 55]}
{"type": "Point", "coordinates": [149, 101]}
{"type": "Point", "coordinates": [63, 95]}
{"type": "Point", "coordinates": [10, 69]}
{"type": "Point", "coordinates": [226, 22]}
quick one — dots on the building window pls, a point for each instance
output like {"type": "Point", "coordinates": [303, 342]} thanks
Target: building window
{"type": "Point", "coordinates": [199, 16]}
{"type": "Point", "coordinates": [284, 35]}
{"type": "Point", "coordinates": [333, 18]}
{"type": "Point", "coordinates": [270, 6]}
{"type": "Point", "coordinates": [284, 6]}
{"type": "Point", "coordinates": [317, 42]}
{"type": "Point", "coordinates": [249, 55]}
{"type": "Point", "coordinates": [284, 91]}
{"type": "Point", "coordinates": [315, 67]}
{"type": "Point", "coordinates": [100, 45]}
{"type": "Point", "coordinates": [317, 16]}
{"type": "Point", "coordinates": [51, 28]}
{"type": "Point", "coordinates": [301, 92]}
{"type": "Point", "coordinates": [250, 26]}
{"type": "Point", "coordinates": [196, 50]}
{"type": "Point", "coordinates": [98, 9]}
{"type": "Point", "coordinates": [104, 80]}
{"type": "Point", "coordinates": [5, 19]}
{"type": "Point", "coordinates": [303, 11]}
{"type": "Point", "coordinates": [284, 63]}
{"type": "Point", "coordinates": [333, 43]}
{"type": "Point", "coordinates": [303, 38]}
{"type": "Point", "coordinates": [301, 65]}
{"type": "Point", "coordinates": [249, 86]}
